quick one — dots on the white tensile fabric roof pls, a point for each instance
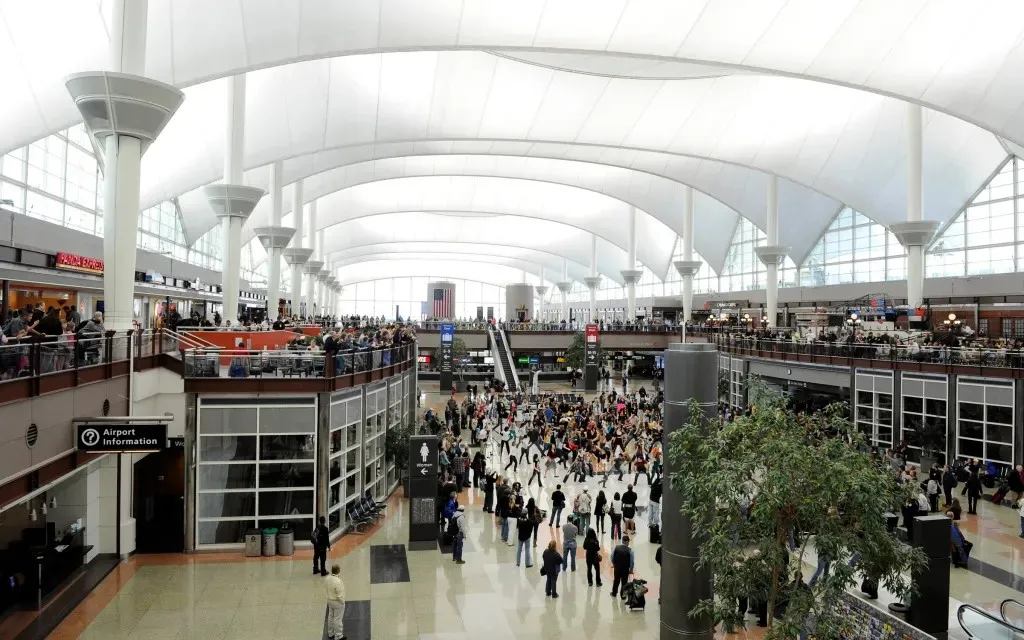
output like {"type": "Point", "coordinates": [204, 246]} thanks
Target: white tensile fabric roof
{"type": "Point", "coordinates": [594, 105]}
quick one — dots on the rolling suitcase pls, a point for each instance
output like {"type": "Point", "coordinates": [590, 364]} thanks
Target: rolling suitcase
{"type": "Point", "coordinates": [997, 497]}
{"type": "Point", "coordinates": [655, 534]}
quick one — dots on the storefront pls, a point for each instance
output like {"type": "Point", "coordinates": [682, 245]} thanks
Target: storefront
{"type": "Point", "coordinates": [23, 295]}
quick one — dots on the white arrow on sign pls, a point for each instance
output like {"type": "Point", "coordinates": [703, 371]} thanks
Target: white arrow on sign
{"type": "Point", "coordinates": [423, 471]}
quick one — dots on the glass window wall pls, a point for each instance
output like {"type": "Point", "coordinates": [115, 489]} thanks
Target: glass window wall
{"type": "Point", "coordinates": [253, 469]}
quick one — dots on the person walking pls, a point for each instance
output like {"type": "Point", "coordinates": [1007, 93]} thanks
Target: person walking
{"type": "Point", "coordinates": [321, 544]}
{"type": "Point", "coordinates": [536, 472]}
{"type": "Point", "coordinates": [622, 566]}
{"type": "Point", "coordinates": [600, 509]}
{"type": "Point", "coordinates": [557, 504]}
{"type": "Point", "coordinates": [949, 483]}
{"type": "Point", "coordinates": [586, 502]}
{"type": "Point", "coordinates": [505, 502]}
{"type": "Point", "coordinates": [534, 514]}
{"type": "Point", "coordinates": [459, 539]}
{"type": "Point", "coordinates": [592, 549]}
{"type": "Point", "coordinates": [489, 481]}
{"type": "Point", "coordinates": [569, 533]}
{"type": "Point", "coordinates": [552, 565]}
{"type": "Point", "coordinates": [615, 515]}
{"type": "Point", "coordinates": [973, 487]}
{"type": "Point", "coordinates": [525, 529]}
{"type": "Point", "coordinates": [335, 604]}
{"type": "Point", "coordinates": [654, 519]}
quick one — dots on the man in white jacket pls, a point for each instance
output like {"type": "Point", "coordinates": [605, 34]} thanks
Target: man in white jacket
{"type": "Point", "coordinates": [585, 504]}
{"type": "Point", "coordinates": [459, 520]}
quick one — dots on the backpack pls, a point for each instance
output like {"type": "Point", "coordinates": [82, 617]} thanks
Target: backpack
{"type": "Point", "coordinates": [452, 529]}
{"type": "Point", "coordinates": [933, 488]}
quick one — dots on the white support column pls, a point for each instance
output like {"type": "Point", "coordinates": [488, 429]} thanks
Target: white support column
{"type": "Point", "coordinates": [687, 267]}
{"type": "Point", "coordinates": [541, 290]}
{"type": "Point", "coordinates": [275, 238]}
{"type": "Point", "coordinates": [772, 254]}
{"type": "Point", "coordinates": [321, 281]}
{"type": "Point", "coordinates": [593, 280]}
{"type": "Point", "coordinates": [632, 274]}
{"type": "Point", "coordinates": [147, 105]}
{"type": "Point", "coordinates": [565, 285]}
{"type": "Point", "coordinates": [916, 233]}
{"type": "Point", "coordinates": [313, 267]}
{"type": "Point", "coordinates": [231, 226]}
{"type": "Point", "coordinates": [232, 201]}
{"type": "Point", "coordinates": [296, 255]}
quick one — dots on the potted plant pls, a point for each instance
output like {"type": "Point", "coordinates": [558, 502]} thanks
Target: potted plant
{"type": "Point", "coordinates": [930, 438]}
{"type": "Point", "coordinates": [396, 450]}
{"type": "Point", "coordinates": [746, 485]}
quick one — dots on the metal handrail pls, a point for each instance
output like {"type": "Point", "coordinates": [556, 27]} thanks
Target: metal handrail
{"type": "Point", "coordinates": [1008, 631]}
{"type": "Point", "coordinates": [206, 361]}
{"type": "Point", "coordinates": [936, 354]}
{"type": "Point", "coordinates": [1005, 617]}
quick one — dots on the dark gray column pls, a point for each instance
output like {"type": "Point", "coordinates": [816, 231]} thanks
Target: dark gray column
{"type": "Point", "coordinates": [691, 371]}
{"type": "Point", "coordinates": [323, 453]}
{"type": "Point", "coordinates": [191, 402]}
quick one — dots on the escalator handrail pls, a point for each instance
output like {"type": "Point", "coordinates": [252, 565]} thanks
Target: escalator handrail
{"type": "Point", "coordinates": [982, 613]}
{"type": "Point", "coordinates": [1002, 612]}
{"type": "Point", "coordinates": [512, 385]}
{"type": "Point", "coordinates": [499, 370]}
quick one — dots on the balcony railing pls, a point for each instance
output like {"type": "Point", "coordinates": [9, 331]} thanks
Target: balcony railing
{"type": "Point", "coordinates": [609, 327]}
{"type": "Point", "coordinates": [35, 356]}
{"type": "Point", "coordinates": [844, 353]}
{"type": "Point", "coordinates": [207, 362]}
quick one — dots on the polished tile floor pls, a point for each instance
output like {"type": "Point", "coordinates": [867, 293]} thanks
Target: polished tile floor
{"type": "Point", "coordinates": [227, 596]}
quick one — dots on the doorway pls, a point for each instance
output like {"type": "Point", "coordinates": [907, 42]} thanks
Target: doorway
{"type": "Point", "coordinates": [160, 502]}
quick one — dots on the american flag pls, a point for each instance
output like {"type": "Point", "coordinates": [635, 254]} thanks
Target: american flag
{"type": "Point", "coordinates": [442, 304]}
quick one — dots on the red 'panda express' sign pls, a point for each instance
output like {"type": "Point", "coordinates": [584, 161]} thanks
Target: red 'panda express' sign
{"type": "Point", "coordinates": [79, 263]}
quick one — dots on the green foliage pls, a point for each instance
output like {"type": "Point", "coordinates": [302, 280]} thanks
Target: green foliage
{"type": "Point", "coordinates": [575, 355]}
{"type": "Point", "coordinates": [930, 437]}
{"type": "Point", "coordinates": [396, 446]}
{"type": "Point", "coordinates": [774, 471]}
{"type": "Point", "coordinates": [459, 349]}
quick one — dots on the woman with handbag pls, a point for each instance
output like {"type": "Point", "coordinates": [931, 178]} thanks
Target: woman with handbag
{"type": "Point", "coordinates": [592, 550]}
{"type": "Point", "coordinates": [552, 565]}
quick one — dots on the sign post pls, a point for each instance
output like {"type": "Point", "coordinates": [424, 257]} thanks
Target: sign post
{"type": "Point", "coordinates": [423, 488]}
{"type": "Point", "coordinates": [591, 358]}
{"type": "Point", "coordinates": [445, 360]}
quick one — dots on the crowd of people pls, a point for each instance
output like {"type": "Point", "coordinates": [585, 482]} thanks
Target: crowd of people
{"type": "Point", "coordinates": [951, 346]}
{"type": "Point", "coordinates": [62, 337]}
{"type": "Point", "coordinates": [564, 443]}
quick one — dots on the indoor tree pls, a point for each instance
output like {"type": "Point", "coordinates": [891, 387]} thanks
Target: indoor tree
{"type": "Point", "coordinates": [576, 352]}
{"type": "Point", "coordinates": [459, 350]}
{"type": "Point", "coordinates": [775, 472]}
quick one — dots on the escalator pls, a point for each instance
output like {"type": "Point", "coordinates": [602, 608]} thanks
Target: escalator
{"type": "Point", "coordinates": [503, 366]}
{"type": "Point", "coordinates": [980, 624]}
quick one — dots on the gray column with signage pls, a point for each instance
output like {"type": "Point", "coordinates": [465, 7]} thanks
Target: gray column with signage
{"type": "Point", "coordinates": [591, 358]}
{"type": "Point", "coordinates": [691, 371]}
{"type": "Point", "coordinates": [423, 488]}
{"type": "Point", "coordinates": [445, 357]}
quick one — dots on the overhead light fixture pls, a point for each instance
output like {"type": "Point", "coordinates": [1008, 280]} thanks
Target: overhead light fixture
{"type": "Point", "coordinates": [53, 502]}
{"type": "Point", "coordinates": [32, 515]}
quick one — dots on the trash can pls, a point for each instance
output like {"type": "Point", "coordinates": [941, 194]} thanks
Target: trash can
{"type": "Point", "coordinates": [270, 542]}
{"type": "Point", "coordinates": [252, 543]}
{"type": "Point", "coordinates": [286, 542]}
